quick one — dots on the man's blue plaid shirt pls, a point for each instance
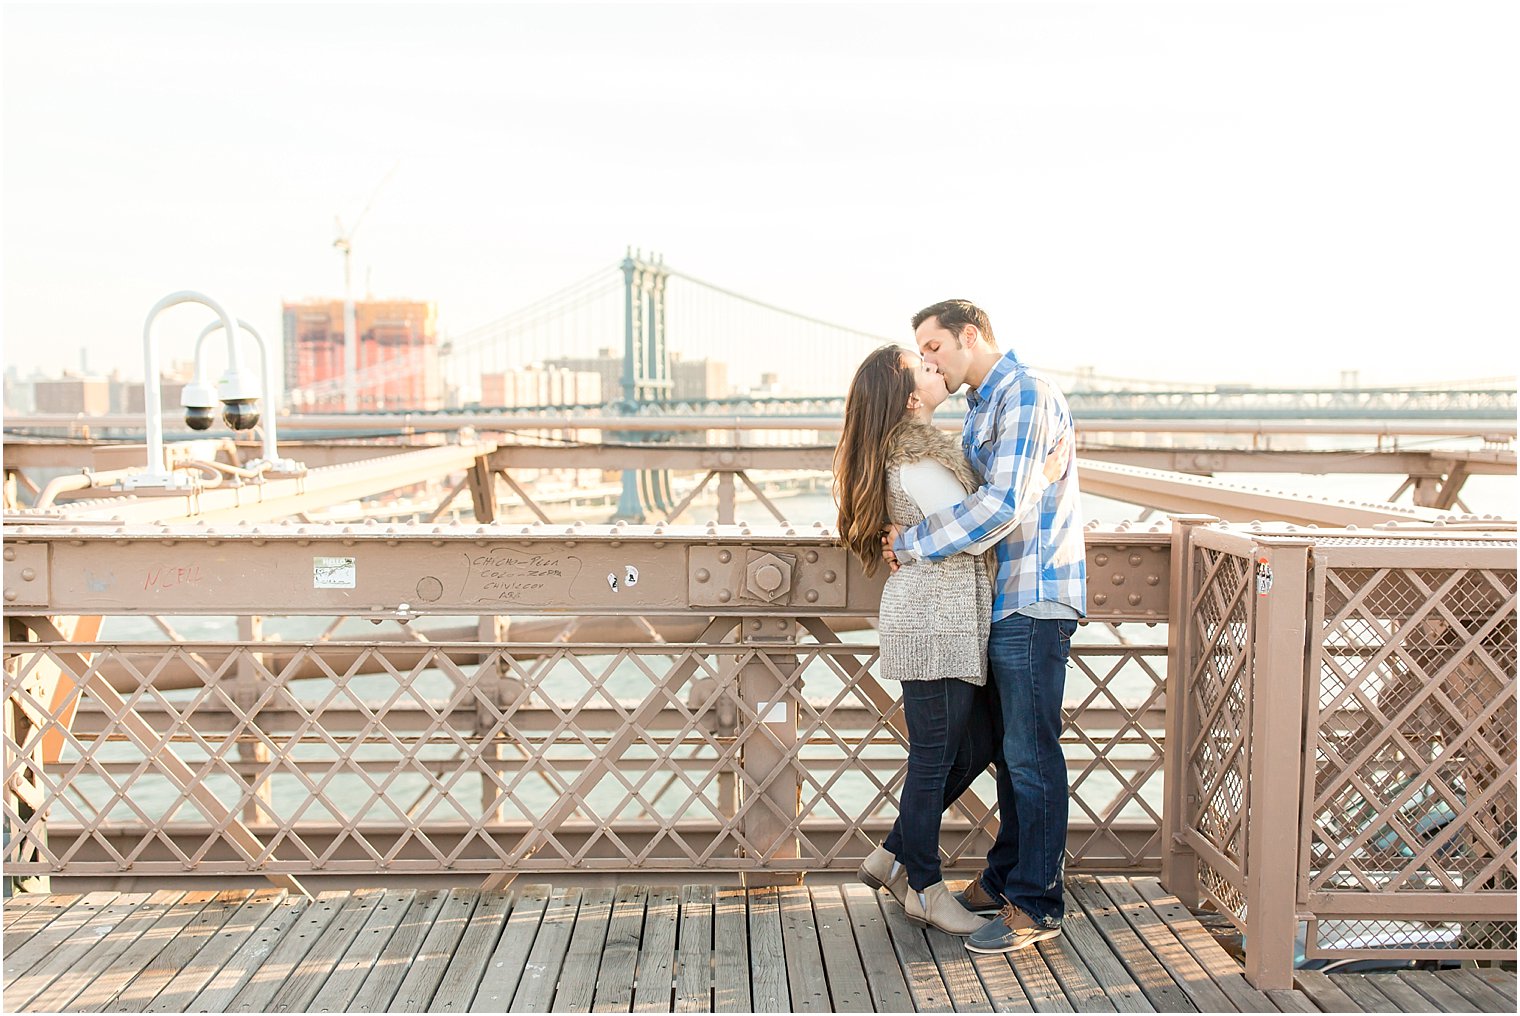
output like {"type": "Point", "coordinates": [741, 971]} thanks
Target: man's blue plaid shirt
{"type": "Point", "coordinates": [1016, 417]}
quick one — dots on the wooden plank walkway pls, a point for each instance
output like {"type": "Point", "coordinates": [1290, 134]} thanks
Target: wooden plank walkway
{"type": "Point", "coordinates": [1128, 947]}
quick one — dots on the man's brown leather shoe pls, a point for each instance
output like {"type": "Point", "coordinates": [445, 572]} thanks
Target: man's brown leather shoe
{"type": "Point", "coordinates": [976, 899]}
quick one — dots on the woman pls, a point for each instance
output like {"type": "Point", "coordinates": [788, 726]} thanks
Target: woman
{"type": "Point", "coordinates": [893, 466]}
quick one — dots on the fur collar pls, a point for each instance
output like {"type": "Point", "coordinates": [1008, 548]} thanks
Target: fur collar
{"type": "Point", "coordinates": [911, 441]}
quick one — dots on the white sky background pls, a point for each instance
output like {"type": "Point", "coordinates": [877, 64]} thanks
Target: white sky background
{"type": "Point", "coordinates": [1262, 192]}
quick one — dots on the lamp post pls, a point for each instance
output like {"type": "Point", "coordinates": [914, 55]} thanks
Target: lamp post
{"type": "Point", "coordinates": [198, 396]}
{"type": "Point", "coordinates": [157, 473]}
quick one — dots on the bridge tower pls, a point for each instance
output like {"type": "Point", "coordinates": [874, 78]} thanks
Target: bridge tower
{"type": "Point", "coordinates": [646, 374]}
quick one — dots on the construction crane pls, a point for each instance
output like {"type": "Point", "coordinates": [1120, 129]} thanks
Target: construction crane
{"type": "Point", "coordinates": [345, 243]}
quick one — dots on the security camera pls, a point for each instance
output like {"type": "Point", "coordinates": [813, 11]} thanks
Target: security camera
{"type": "Point", "coordinates": [199, 417]}
{"type": "Point", "coordinates": [241, 414]}
{"type": "Point", "coordinates": [199, 400]}
{"type": "Point", "coordinates": [240, 400]}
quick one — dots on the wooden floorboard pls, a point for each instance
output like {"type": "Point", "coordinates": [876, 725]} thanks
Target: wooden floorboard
{"type": "Point", "coordinates": [432, 959]}
{"type": "Point", "coordinates": [1291, 1000]}
{"type": "Point", "coordinates": [806, 978]}
{"type": "Point", "coordinates": [192, 979]}
{"type": "Point", "coordinates": [1324, 992]}
{"type": "Point", "coordinates": [883, 973]}
{"type": "Point", "coordinates": [957, 971]}
{"type": "Point", "coordinates": [399, 953]}
{"type": "Point", "coordinates": [694, 951]}
{"type": "Point", "coordinates": [1126, 946]}
{"type": "Point", "coordinates": [303, 983]}
{"type": "Point", "coordinates": [1502, 981]}
{"type": "Point", "coordinates": [583, 960]}
{"type": "Point", "coordinates": [1366, 996]}
{"type": "Point", "coordinates": [1400, 996]}
{"type": "Point", "coordinates": [490, 961]}
{"type": "Point", "coordinates": [17, 904]}
{"type": "Point", "coordinates": [282, 960]}
{"type": "Point", "coordinates": [148, 941]}
{"type": "Point", "coordinates": [66, 986]}
{"type": "Point", "coordinates": [1105, 986]}
{"type": "Point", "coordinates": [33, 919]}
{"type": "Point", "coordinates": [36, 977]}
{"type": "Point", "coordinates": [1204, 948]}
{"type": "Point", "coordinates": [365, 953]}
{"type": "Point", "coordinates": [181, 950]}
{"type": "Point", "coordinates": [1427, 983]}
{"type": "Point", "coordinates": [767, 955]}
{"type": "Point", "coordinates": [1004, 992]}
{"type": "Point", "coordinates": [620, 958]}
{"type": "Point", "coordinates": [654, 982]}
{"type": "Point", "coordinates": [535, 991]}
{"type": "Point", "coordinates": [731, 984]}
{"type": "Point", "coordinates": [1189, 975]}
{"type": "Point", "coordinates": [926, 987]}
{"type": "Point", "coordinates": [476, 949]}
{"type": "Point", "coordinates": [243, 965]}
{"type": "Point", "coordinates": [1163, 993]}
{"type": "Point", "coordinates": [1466, 984]}
{"type": "Point", "coordinates": [1040, 984]}
{"type": "Point", "coordinates": [42, 943]}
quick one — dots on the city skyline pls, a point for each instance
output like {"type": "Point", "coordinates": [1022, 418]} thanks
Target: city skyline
{"type": "Point", "coordinates": [1216, 192]}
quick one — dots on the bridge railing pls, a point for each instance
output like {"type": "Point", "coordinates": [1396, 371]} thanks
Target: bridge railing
{"type": "Point", "coordinates": [1313, 731]}
{"type": "Point", "coordinates": [1343, 731]}
{"type": "Point", "coordinates": [698, 699]}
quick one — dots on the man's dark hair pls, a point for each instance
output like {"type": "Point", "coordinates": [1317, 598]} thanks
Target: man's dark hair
{"type": "Point", "coordinates": [954, 316]}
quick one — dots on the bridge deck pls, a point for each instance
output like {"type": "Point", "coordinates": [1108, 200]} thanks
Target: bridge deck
{"type": "Point", "coordinates": [1128, 947]}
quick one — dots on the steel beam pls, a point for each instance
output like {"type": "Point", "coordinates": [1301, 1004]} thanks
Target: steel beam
{"type": "Point", "coordinates": [91, 858]}
{"type": "Point", "coordinates": [56, 453]}
{"type": "Point", "coordinates": [408, 571]}
{"type": "Point", "coordinates": [1180, 493]}
{"type": "Point", "coordinates": [409, 423]}
{"type": "Point", "coordinates": [273, 498]}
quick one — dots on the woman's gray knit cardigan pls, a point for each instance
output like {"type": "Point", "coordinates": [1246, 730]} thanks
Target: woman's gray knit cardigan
{"type": "Point", "coordinates": [935, 615]}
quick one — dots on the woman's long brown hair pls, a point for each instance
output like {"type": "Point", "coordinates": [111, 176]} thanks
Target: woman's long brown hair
{"type": "Point", "coordinates": [876, 405]}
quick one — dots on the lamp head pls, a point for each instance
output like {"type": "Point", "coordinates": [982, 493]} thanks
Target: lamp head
{"type": "Point", "coordinates": [239, 395]}
{"type": "Point", "coordinates": [241, 414]}
{"type": "Point", "coordinates": [199, 417]}
{"type": "Point", "coordinates": [199, 400]}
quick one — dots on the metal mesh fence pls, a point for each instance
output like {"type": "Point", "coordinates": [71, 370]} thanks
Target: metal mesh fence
{"type": "Point", "coordinates": [430, 757]}
{"type": "Point", "coordinates": [1219, 692]}
{"type": "Point", "coordinates": [1412, 788]}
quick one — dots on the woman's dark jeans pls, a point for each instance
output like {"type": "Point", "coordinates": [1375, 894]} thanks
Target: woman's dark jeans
{"type": "Point", "coordinates": [953, 735]}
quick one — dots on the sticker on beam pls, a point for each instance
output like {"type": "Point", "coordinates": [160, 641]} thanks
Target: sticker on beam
{"type": "Point", "coordinates": [333, 572]}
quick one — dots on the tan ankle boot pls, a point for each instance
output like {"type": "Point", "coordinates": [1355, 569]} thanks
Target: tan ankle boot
{"type": "Point", "coordinates": [938, 908]}
{"type": "Point", "coordinates": [881, 870]}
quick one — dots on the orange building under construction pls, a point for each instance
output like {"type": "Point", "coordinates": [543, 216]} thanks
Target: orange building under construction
{"type": "Point", "coordinates": [398, 354]}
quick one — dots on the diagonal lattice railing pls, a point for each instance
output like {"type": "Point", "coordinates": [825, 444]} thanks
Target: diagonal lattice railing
{"type": "Point", "coordinates": [336, 756]}
{"type": "Point", "coordinates": [1346, 711]}
{"type": "Point", "coordinates": [1410, 787]}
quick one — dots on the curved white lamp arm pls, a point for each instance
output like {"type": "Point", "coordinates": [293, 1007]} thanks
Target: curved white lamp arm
{"type": "Point", "coordinates": [271, 407]}
{"type": "Point", "coordinates": [157, 473]}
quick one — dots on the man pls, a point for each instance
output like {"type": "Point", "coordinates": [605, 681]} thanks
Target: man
{"type": "Point", "coordinates": [1016, 418]}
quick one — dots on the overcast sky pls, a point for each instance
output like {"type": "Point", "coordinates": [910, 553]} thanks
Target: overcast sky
{"type": "Point", "coordinates": [1211, 191]}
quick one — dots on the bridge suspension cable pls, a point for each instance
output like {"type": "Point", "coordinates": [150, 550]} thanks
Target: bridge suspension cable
{"type": "Point", "coordinates": [722, 344]}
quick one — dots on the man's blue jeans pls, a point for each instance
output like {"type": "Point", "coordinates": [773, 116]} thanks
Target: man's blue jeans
{"type": "Point", "coordinates": [1027, 658]}
{"type": "Point", "coordinates": [950, 741]}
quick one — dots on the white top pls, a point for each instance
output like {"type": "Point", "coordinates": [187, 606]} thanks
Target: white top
{"type": "Point", "coordinates": [933, 487]}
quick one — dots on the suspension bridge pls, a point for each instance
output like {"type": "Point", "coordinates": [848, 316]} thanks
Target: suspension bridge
{"type": "Point", "coordinates": [642, 325]}
{"type": "Point", "coordinates": [648, 316]}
